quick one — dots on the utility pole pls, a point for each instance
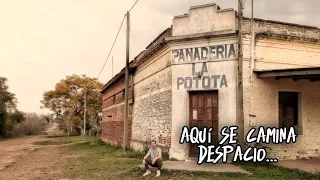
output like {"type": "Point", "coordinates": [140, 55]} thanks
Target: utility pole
{"type": "Point", "coordinates": [252, 43]}
{"type": "Point", "coordinates": [240, 116]}
{"type": "Point", "coordinates": [85, 112]}
{"type": "Point", "coordinates": [126, 106]}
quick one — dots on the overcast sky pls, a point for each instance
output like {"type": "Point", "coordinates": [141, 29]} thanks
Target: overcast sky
{"type": "Point", "coordinates": [43, 41]}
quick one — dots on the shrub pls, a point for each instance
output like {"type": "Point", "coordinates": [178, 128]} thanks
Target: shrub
{"type": "Point", "coordinates": [33, 125]}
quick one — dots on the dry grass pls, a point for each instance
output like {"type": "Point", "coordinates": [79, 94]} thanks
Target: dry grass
{"type": "Point", "coordinates": [92, 159]}
{"type": "Point", "coordinates": [96, 160]}
{"type": "Point", "coordinates": [60, 140]}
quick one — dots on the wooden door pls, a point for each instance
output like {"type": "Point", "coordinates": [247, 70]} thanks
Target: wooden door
{"type": "Point", "coordinates": [203, 112]}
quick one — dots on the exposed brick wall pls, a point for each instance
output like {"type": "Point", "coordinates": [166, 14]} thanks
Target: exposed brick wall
{"type": "Point", "coordinates": [112, 132]}
{"type": "Point", "coordinates": [113, 105]}
{"type": "Point", "coordinates": [150, 114]}
{"type": "Point", "coordinates": [152, 106]}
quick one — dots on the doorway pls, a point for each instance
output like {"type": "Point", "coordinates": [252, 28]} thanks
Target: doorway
{"type": "Point", "coordinates": [203, 112]}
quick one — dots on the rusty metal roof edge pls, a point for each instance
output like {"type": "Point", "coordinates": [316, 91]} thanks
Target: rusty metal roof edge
{"type": "Point", "coordinates": [139, 54]}
{"type": "Point", "coordinates": [287, 69]}
{"type": "Point", "coordinates": [114, 79]}
{"type": "Point", "coordinates": [163, 32]}
{"type": "Point", "coordinates": [136, 61]}
{"type": "Point", "coordinates": [149, 54]}
{"type": "Point", "coordinates": [286, 37]}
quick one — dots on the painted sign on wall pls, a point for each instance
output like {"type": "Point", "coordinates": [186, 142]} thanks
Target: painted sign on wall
{"type": "Point", "coordinates": [209, 53]}
{"type": "Point", "coordinates": [204, 82]}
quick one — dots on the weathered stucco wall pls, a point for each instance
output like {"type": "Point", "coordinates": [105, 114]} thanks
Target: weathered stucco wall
{"type": "Point", "coordinates": [279, 45]}
{"type": "Point", "coordinates": [261, 95]}
{"type": "Point", "coordinates": [163, 81]}
{"type": "Point", "coordinates": [197, 21]}
{"type": "Point", "coordinates": [279, 54]}
{"type": "Point", "coordinates": [220, 75]}
{"type": "Point", "coordinates": [264, 104]}
{"type": "Point", "coordinates": [214, 54]}
{"type": "Point", "coordinates": [152, 106]}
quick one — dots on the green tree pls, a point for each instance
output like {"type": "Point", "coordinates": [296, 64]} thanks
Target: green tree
{"type": "Point", "coordinates": [68, 98]}
{"type": "Point", "coordinates": [12, 120]}
{"type": "Point", "coordinates": [16, 117]}
{"type": "Point", "coordinates": [8, 103]}
{"type": "Point", "coordinates": [7, 97]}
{"type": "Point", "coordinates": [3, 114]}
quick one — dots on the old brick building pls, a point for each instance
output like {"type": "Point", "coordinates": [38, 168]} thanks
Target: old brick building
{"type": "Point", "coordinates": [188, 77]}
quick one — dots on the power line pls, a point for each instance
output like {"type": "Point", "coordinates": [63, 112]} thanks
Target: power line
{"type": "Point", "coordinates": [112, 46]}
{"type": "Point", "coordinates": [116, 39]}
{"type": "Point", "coordinates": [133, 5]}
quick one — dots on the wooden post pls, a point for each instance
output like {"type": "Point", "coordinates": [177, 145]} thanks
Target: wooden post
{"type": "Point", "coordinates": [252, 43]}
{"type": "Point", "coordinates": [126, 106]}
{"type": "Point", "coordinates": [68, 125]}
{"type": "Point", "coordinates": [240, 116]}
{"type": "Point", "coordinates": [85, 112]}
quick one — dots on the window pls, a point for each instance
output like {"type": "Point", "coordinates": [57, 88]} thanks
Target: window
{"type": "Point", "coordinates": [289, 110]}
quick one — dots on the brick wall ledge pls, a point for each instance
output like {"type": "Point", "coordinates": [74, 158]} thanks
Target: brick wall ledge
{"type": "Point", "coordinates": [286, 37]}
{"type": "Point", "coordinates": [215, 34]}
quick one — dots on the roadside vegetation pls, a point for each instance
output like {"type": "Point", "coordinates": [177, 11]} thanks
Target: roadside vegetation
{"type": "Point", "coordinates": [33, 124]}
{"type": "Point", "coordinates": [14, 123]}
{"type": "Point", "coordinates": [65, 101]}
{"type": "Point", "coordinates": [98, 160]}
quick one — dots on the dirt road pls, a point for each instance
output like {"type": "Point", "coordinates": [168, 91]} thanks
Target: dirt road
{"type": "Point", "coordinates": [13, 149]}
{"type": "Point", "coordinates": [20, 159]}
{"type": "Point", "coordinates": [17, 161]}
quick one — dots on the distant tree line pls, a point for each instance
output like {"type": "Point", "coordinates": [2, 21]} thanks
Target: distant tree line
{"type": "Point", "coordinates": [14, 122]}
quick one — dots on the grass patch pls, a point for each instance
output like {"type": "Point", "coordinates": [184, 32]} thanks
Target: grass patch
{"type": "Point", "coordinates": [52, 142]}
{"type": "Point", "coordinates": [97, 160]}
{"type": "Point", "coordinates": [65, 140]}
{"type": "Point", "coordinates": [60, 136]}
{"type": "Point", "coordinates": [57, 136]}
{"type": "Point", "coordinates": [104, 149]}
{"type": "Point", "coordinates": [2, 138]}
